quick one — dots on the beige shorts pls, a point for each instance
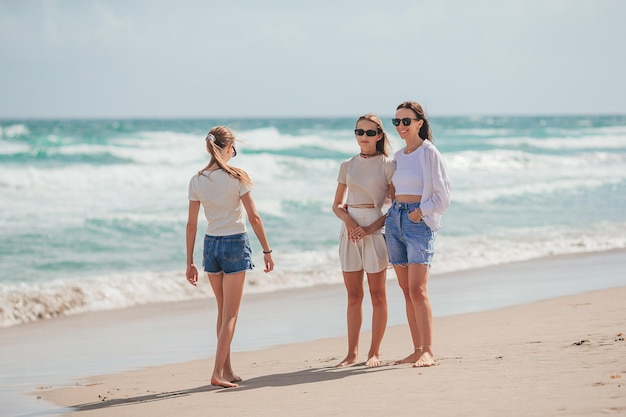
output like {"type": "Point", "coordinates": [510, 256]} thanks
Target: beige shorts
{"type": "Point", "coordinates": [368, 254]}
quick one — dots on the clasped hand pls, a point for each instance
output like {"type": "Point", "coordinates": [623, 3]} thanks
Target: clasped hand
{"type": "Point", "coordinates": [356, 232]}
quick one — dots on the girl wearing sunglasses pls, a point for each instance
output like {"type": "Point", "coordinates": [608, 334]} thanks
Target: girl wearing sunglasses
{"type": "Point", "coordinates": [421, 194]}
{"type": "Point", "coordinates": [363, 184]}
{"type": "Point", "coordinates": [224, 193]}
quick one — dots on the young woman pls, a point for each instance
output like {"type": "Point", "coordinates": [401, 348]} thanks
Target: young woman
{"type": "Point", "coordinates": [224, 193]}
{"type": "Point", "coordinates": [363, 185]}
{"type": "Point", "coordinates": [421, 193]}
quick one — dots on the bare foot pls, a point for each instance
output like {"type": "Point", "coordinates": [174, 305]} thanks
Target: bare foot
{"type": "Point", "coordinates": [349, 360]}
{"type": "Point", "coordinates": [218, 382]}
{"type": "Point", "coordinates": [232, 377]}
{"type": "Point", "coordinates": [424, 361]}
{"type": "Point", "coordinates": [412, 358]}
{"type": "Point", "coordinates": [229, 375]}
{"type": "Point", "coordinates": [373, 361]}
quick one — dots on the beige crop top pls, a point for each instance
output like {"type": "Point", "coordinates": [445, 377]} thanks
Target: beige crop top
{"type": "Point", "coordinates": [367, 179]}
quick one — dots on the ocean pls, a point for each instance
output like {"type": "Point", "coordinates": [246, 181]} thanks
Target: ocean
{"type": "Point", "coordinates": [93, 212]}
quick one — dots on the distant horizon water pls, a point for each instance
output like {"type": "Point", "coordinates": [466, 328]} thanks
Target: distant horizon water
{"type": "Point", "coordinates": [15, 118]}
{"type": "Point", "coordinates": [93, 211]}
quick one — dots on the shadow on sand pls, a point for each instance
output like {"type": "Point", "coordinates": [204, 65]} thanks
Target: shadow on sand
{"type": "Point", "coordinates": [305, 376]}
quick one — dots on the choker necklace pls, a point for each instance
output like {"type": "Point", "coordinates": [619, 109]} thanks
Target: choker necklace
{"type": "Point", "coordinates": [364, 155]}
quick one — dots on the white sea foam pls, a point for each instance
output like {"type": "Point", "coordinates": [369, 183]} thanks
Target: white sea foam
{"type": "Point", "coordinates": [564, 143]}
{"type": "Point", "coordinates": [26, 302]}
{"type": "Point", "coordinates": [22, 303]}
{"type": "Point", "coordinates": [604, 130]}
{"type": "Point", "coordinates": [97, 178]}
{"type": "Point", "coordinates": [160, 148]}
{"type": "Point", "coordinates": [270, 139]}
{"type": "Point", "coordinates": [13, 131]}
{"type": "Point", "coordinates": [11, 147]}
{"type": "Point", "coordinates": [484, 132]}
{"type": "Point", "coordinates": [536, 187]}
{"type": "Point", "coordinates": [502, 160]}
{"type": "Point", "coordinates": [513, 245]}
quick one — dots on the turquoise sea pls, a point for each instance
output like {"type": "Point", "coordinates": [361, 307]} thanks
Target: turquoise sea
{"type": "Point", "coordinates": [93, 212]}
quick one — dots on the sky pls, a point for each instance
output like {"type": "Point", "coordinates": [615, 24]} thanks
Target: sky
{"type": "Point", "coordinates": [284, 58]}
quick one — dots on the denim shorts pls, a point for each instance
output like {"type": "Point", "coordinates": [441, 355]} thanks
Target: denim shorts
{"type": "Point", "coordinates": [407, 242]}
{"type": "Point", "coordinates": [227, 254]}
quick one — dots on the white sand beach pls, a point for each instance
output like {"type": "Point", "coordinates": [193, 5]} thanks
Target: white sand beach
{"type": "Point", "coordinates": [506, 354]}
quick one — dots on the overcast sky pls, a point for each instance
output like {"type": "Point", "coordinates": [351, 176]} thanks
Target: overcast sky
{"type": "Point", "coordinates": [232, 58]}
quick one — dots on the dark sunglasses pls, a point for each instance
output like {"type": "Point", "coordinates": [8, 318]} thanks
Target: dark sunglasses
{"type": "Point", "coordinates": [370, 132]}
{"type": "Point", "coordinates": [406, 121]}
{"type": "Point", "coordinates": [234, 152]}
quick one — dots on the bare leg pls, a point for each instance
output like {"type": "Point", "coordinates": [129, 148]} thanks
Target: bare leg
{"type": "Point", "coordinates": [230, 290]}
{"type": "Point", "coordinates": [418, 289]}
{"type": "Point", "coordinates": [402, 272]}
{"type": "Point", "coordinates": [229, 375]}
{"type": "Point", "coordinates": [354, 286]}
{"type": "Point", "coordinates": [378, 293]}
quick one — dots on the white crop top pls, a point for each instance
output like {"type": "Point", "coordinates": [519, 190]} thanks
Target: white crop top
{"type": "Point", "coordinates": [409, 175]}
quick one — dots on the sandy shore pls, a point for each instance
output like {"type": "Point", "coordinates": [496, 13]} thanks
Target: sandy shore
{"type": "Point", "coordinates": [557, 357]}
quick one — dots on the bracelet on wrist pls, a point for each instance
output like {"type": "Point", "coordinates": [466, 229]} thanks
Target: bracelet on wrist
{"type": "Point", "coordinates": [267, 251]}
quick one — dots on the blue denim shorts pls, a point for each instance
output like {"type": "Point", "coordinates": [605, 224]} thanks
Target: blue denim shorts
{"type": "Point", "coordinates": [227, 254]}
{"type": "Point", "coordinates": [407, 242]}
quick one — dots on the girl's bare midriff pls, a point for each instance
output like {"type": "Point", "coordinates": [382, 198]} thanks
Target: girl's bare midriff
{"type": "Point", "coordinates": [408, 198]}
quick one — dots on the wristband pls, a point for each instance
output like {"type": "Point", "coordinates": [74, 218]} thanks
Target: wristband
{"type": "Point", "coordinates": [267, 252]}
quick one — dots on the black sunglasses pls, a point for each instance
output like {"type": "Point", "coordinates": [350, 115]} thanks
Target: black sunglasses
{"type": "Point", "coordinates": [370, 132]}
{"type": "Point", "coordinates": [234, 152]}
{"type": "Point", "coordinates": [406, 121]}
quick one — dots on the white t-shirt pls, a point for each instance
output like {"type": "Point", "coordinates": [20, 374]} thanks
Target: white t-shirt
{"type": "Point", "coordinates": [220, 195]}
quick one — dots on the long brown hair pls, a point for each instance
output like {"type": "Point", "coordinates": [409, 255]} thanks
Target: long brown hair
{"type": "Point", "coordinates": [217, 139]}
{"type": "Point", "coordinates": [382, 145]}
{"type": "Point", "coordinates": [424, 132]}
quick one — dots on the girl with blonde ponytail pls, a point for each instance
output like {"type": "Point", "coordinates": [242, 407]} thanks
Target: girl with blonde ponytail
{"type": "Point", "coordinates": [224, 192]}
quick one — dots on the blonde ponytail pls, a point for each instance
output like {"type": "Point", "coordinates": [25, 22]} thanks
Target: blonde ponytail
{"type": "Point", "coordinates": [217, 139]}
